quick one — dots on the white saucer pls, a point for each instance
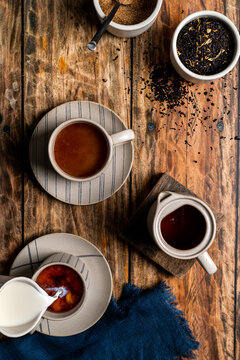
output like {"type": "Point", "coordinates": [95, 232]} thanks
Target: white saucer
{"type": "Point", "coordinates": [84, 192]}
{"type": "Point", "coordinates": [100, 289]}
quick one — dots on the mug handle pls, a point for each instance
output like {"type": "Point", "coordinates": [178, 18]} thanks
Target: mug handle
{"type": "Point", "coordinates": [207, 263]}
{"type": "Point", "coordinates": [122, 137]}
{"type": "Point", "coordinates": [164, 195]}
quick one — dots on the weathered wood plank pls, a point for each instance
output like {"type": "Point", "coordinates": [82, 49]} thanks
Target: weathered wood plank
{"type": "Point", "coordinates": [60, 68]}
{"type": "Point", "coordinates": [10, 133]}
{"type": "Point", "coordinates": [190, 147]}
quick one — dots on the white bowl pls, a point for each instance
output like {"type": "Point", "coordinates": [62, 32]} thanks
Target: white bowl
{"type": "Point", "coordinates": [178, 65]}
{"type": "Point", "coordinates": [128, 30]}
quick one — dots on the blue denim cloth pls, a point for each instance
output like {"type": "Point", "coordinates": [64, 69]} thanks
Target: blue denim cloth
{"type": "Point", "coordinates": [142, 325]}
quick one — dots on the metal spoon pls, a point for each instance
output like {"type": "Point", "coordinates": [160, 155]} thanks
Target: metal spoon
{"type": "Point", "coordinates": [93, 43]}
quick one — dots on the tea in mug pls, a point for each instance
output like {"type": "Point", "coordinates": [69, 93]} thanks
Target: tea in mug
{"type": "Point", "coordinates": [55, 277]}
{"type": "Point", "coordinates": [184, 228]}
{"type": "Point", "coordinates": [81, 150]}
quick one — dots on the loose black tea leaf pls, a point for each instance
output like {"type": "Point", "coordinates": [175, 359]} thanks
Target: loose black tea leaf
{"type": "Point", "coordinates": [166, 85]}
{"type": "Point", "coordinates": [205, 46]}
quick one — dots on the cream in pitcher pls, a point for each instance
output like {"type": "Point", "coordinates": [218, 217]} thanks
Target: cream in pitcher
{"type": "Point", "coordinates": [22, 304]}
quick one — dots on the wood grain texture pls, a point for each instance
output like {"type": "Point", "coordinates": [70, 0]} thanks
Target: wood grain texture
{"type": "Point", "coordinates": [192, 150]}
{"type": "Point", "coordinates": [10, 133]}
{"type": "Point", "coordinates": [60, 68]}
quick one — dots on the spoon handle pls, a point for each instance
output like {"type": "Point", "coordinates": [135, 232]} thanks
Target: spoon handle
{"type": "Point", "coordinates": [93, 43]}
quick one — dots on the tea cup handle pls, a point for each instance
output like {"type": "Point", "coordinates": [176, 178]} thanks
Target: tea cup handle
{"type": "Point", "coordinates": [207, 263]}
{"type": "Point", "coordinates": [122, 137]}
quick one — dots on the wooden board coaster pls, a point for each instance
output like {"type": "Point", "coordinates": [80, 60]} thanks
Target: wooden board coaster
{"type": "Point", "coordinates": [136, 232]}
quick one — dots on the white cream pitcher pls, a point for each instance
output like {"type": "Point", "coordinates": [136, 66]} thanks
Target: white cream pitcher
{"type": "Point", "coordinates": [22, 304]}
{"type": "Point", "coordinates": [164, 207]}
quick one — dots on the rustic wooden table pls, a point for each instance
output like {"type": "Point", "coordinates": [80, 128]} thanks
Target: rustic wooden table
{"type": "Point", "coordinates": [44, 62]}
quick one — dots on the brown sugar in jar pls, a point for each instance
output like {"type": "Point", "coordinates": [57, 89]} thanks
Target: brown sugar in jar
{"type": "Point", "coordinates": [136, 12]}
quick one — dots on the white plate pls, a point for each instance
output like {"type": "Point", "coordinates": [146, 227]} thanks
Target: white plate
{"type": "Point", "coordinates": [83, 192]}
{"type": "Point", "coordinates": [100, 289]}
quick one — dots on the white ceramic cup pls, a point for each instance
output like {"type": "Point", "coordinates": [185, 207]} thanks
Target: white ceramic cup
{"type": "Point", "coordinates": [112, 140]}
{"type": "Point", "coordinates": [129, 31]}
{"type": "Point", "coordinates": [166, 203]}
{"type": "Point", "coordinates": [190, 75]}
{"type": "Point", "coordinates": [74, 263]}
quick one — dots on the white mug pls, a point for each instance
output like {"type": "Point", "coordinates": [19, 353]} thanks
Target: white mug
{"type": "Point", "coordinates": [166, 203]}
{"type": "Point", "coordinates": [112, 140]}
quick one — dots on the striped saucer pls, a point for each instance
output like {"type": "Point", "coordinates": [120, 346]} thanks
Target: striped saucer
{"type": "Point", "coordinates": [100, 288]}
{"type": "Point", "coordinates": [83, 192]}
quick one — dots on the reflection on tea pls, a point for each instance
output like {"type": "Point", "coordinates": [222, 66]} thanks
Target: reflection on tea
{"type": "Point", "coordinates": [56, 277]}
{"type": "Point", "coordinates": [81, 150]}
{"type": "Point", "coordinates": [184, 228]}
